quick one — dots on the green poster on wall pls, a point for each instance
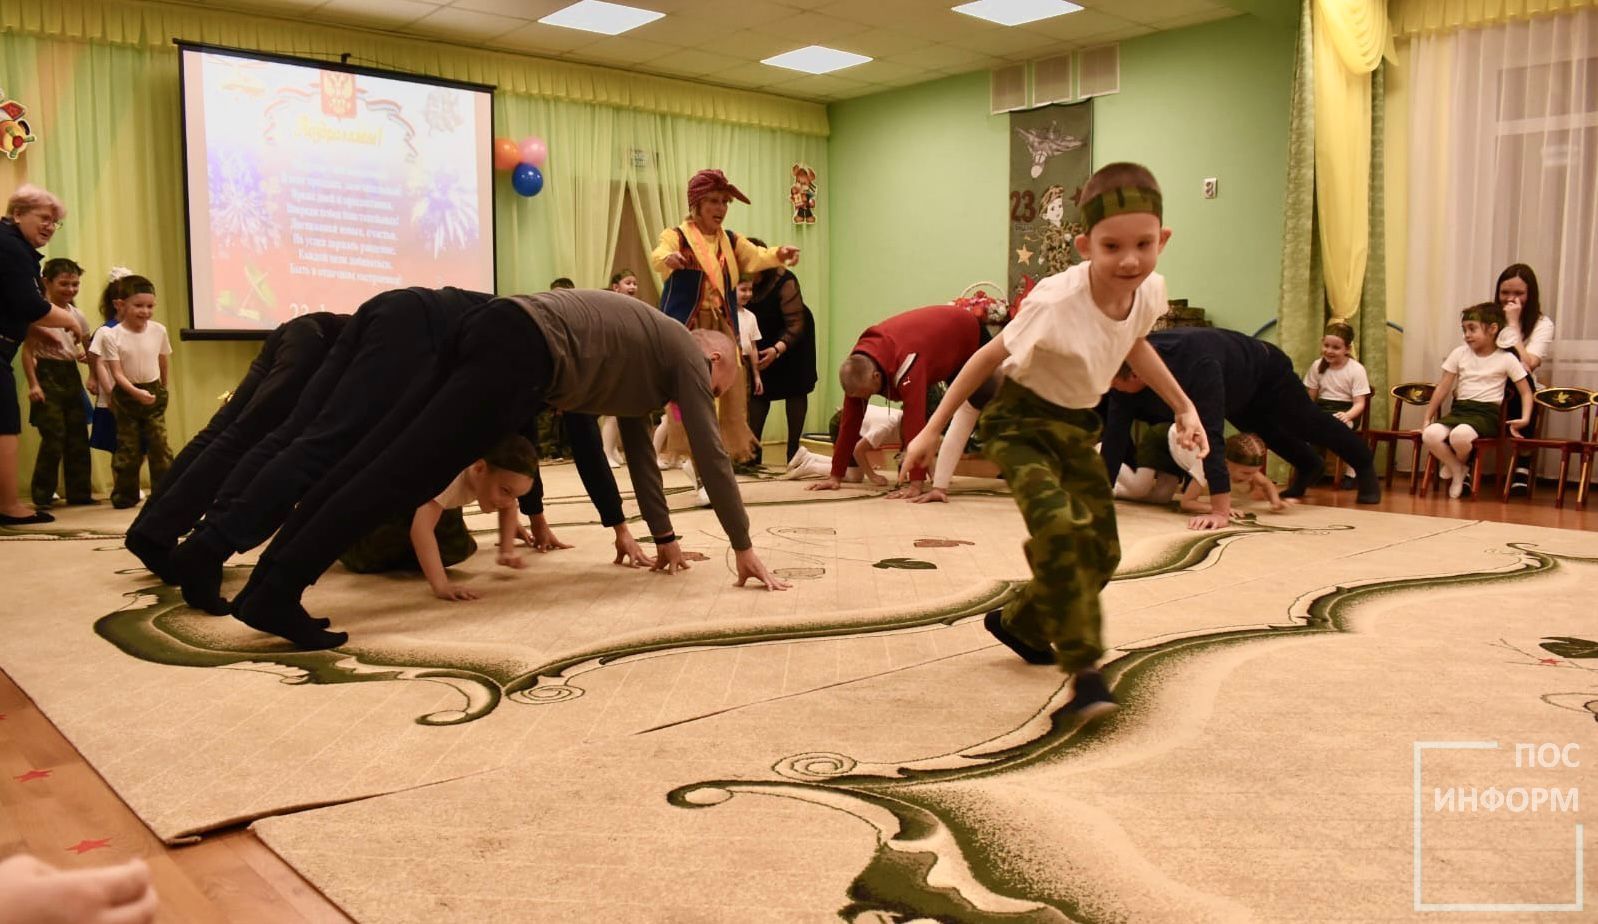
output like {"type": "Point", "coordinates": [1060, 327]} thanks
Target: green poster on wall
{"type": "Point", "coordinates": [1051, 156]}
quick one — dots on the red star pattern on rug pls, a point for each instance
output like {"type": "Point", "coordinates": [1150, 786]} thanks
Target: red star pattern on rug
{"type": "Point", "coordinates": [1549, 661]}
{"type": "Point", "coordinates": [32, 775]}
{"type": "Point", "coordinates": [84, 846]}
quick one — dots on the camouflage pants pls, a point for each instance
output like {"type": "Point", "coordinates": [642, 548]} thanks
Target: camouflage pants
{"type": "Point", "coordinates": [388, 547]}
{"type": "Point", "coordinates": [63, 427]}
{"type": "Point", "coordinates": [1046, 454]}
{"type": "Point", "coordinates": [136, 422]}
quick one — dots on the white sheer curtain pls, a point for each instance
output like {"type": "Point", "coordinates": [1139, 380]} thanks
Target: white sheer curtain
{"type": "Point", "coordinates": [1504, 169]}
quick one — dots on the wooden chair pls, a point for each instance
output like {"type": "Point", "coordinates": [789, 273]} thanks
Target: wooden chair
{"type": "Point", "coordinates": [1588, 447]}
{"type": "Point", "coordinates": [1417, 394]}
{"type": "Point", "coordinates": [1553, 399]}
{"type": "Point", "coordinates": [1478, 450]}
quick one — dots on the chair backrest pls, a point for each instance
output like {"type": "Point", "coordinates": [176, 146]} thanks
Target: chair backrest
{"type": "Point", "coordinates": [1565, 399]}
{"type": "Point", "coordinates": [1415, 393]}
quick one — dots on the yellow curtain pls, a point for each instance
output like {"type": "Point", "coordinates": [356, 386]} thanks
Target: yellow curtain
{"type": "Point", "coordinates": [1416, 17]}
{"type": "Point", "coordinates": [154, 25]}
{"type": "Point", "coordinates": [1350, 39]}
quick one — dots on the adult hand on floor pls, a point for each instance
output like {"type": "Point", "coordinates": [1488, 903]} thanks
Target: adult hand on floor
{"type": "Point", "coordinates": [540, 537]}
{"type": "Point", "coordinates": [628, 553]}
{"type": "Point", "coordinates": [750, 566]}
{"type": "Point", "coordinates": [34, 892]}
{"type": "Point", "coordinates": [669, 557]}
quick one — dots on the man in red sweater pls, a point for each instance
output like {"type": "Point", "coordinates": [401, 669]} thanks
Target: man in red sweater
{"type": "Point", "coordinates": [899, 359]}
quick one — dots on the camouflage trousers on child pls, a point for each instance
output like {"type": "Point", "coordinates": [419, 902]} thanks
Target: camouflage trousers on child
{"type": "Point", "coordinates": [63, 426]}
{"type": "Point", "coordinates": [1046, 455]}
{"type": "Point", "coordinates": [388, 546]}
{"type": "Point", "coordinates": [136, 422]}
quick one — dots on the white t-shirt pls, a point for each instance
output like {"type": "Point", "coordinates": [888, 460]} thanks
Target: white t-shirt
{"type": "Point", "coordinates": [1063, 348]}
{"type": "Point", "coordinates": [748, 329]}
{"type": "Point", "coordinates": [139, 353]}
{"type": "Point", "coordinates": [1482, 378]}
{"type": "Point", "coordinates": [1540, 343]}
{"type": "Point", "coordinates": [59, 342]}
{"type": "Point", "coordinates": [97, 349]}
{"type": "Point", "coordinates": [880, 426]}
{"type": "Point", "coordinates": [459, 493]}
{"type": "Point", "coordinates": [1343, 384]}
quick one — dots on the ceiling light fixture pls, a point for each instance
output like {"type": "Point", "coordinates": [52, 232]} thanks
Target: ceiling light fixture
{"type": "Point", "coordinates": [599, 16]}
{"type": "Point", "coordinates": [1016, 12]}
{"type": "Point", "coordinates": [815, 59]}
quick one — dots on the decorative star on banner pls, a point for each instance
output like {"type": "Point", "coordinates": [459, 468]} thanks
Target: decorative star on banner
{"type": "Point", "coordinates": [84, 846]}
{"type": "Point", "coordinates": [1023, 256]}
{"type": "Point", "coordinates": [32, 775]}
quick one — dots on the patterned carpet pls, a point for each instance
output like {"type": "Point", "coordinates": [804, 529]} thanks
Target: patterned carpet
{"type": "Point", "coordinates": [588, 743]}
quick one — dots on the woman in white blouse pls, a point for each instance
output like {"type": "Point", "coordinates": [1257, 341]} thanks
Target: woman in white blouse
{"type": "Point", "coordinates": [1530, 336]}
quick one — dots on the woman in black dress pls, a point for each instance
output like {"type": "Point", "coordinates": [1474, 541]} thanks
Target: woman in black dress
{"type": "Point", "coordinates": [31, 217]}
{"type": "Point", "coordinates": [787, 352]}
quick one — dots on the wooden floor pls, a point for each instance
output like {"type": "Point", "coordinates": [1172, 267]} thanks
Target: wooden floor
{"type": "Point", "coordinates": [52, 803]}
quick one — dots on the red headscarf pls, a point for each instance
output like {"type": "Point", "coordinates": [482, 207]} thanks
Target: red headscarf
{"type": "Point", "coordinates": [706, 182]}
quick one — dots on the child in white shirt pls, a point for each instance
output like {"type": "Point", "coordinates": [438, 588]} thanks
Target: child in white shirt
{"type": "Point", "coordinates": [1338, 383]}
{"type": "Point", "coordinates": [135, 356]}
{"type": "Point", "coordinates": [1059, 356]}
{"type": "Point", "coordinates": [1474, 375]}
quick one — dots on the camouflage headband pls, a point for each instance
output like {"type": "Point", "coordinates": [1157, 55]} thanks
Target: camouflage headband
{"type": "Point", "coordinates": [1121, 201]}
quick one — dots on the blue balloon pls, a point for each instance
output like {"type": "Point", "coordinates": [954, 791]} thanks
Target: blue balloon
{"type": "Point", "coordinates": [527, 180]}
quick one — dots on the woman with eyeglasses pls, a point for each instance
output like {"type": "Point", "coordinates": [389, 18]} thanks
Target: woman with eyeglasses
{"type": "Point", "coordinates": [31, 219]}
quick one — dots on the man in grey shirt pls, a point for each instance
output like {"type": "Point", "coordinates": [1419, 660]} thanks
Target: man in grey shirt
{"type": "Point", "coordinates": [581, 350]}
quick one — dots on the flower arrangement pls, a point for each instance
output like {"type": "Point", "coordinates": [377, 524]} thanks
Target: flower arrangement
{"type": "Point", "coordinates": [992, 310]}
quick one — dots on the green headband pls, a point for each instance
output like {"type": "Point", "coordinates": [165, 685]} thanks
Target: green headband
{"type": "Point", "coordinates": [1122, 200]}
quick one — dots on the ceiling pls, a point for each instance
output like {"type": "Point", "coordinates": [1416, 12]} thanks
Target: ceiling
{"type": "Point", "coordinates": [722, 41]}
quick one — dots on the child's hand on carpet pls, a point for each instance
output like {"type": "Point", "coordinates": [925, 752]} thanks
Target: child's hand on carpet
{"type": "Point", "coordinates": [936, 495]}
{"type": "Point", "coordinates": [831, 484]}
{"type": "Point", "coordinates": [511, 560]}
{"type": "Point", "coordinates": [873, 476]}
{"type": "Point", "coordinates": [453, 592]}
{"type": "Point", "coordinates": [1208, 521]}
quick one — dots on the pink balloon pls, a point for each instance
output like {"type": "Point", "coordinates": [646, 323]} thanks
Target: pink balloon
{"type": "Point", "coordinates": [533, 151]}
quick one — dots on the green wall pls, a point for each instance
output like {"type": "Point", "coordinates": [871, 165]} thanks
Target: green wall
{"type": "Point", "coordinates": [919, 207]}
{"type": "Point", "coordinates": [919, 185]}
{"type": "Point", "coordinates": [1210, 101]}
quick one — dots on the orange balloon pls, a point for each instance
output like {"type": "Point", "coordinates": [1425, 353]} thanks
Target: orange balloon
{"type": "Point", "coordinates": [506, 154]}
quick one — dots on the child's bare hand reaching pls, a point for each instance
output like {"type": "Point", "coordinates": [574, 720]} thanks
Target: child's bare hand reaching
{"type": "Point", "coordinates": [510, 559]}
{"type": "Point", "coordinates": [454, 592]}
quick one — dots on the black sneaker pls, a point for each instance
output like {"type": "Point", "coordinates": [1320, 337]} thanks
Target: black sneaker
{"type": "Point", "coordinates": [1090, 696]}
{"type": "Point", "coordinates": [1520, 482]}
{"type": "Point", "coordinates": [994, 623]}
{"type": "Point", "coordinates": [1346, 484]}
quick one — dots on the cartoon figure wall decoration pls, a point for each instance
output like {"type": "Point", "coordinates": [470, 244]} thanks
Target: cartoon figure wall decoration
{"type": "Point", "coordinates": [1050, 159]}
{"type": "Point", "coordinates": [803, 195]}
{"type": "Point", "coordinates": [15, 133]}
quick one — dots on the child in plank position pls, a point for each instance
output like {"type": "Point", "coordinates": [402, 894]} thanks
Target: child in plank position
{"type": "Point", "coordinates": [1245, 462]}
{"type": "Point", "coordinates": [1474, 374]}
{"type": "Point", "coordinates": [1059, 356]}
{"type": "Point", "coordinates": [435, 536]}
